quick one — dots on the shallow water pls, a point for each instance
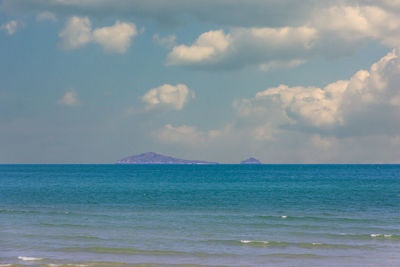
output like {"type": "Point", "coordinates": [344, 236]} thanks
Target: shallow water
{"type": "Point", "coordinates": [224, 215]}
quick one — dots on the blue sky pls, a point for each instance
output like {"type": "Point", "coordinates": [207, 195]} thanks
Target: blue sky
{"type": "Point", "coordinates": [93, 81]}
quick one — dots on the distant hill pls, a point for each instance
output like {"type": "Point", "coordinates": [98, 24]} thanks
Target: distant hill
{"type": "Point", "coordinates": [154, 158]}
{"type": "Point", "coordinates": [251, 161]}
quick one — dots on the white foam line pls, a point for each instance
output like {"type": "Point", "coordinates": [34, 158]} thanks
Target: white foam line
{"type": "Point", "coordinates": [384, 235]}
{"type": "Point", "coordinates": [253, 241]}
{"type": "Point", "coordinates": [29, 258]}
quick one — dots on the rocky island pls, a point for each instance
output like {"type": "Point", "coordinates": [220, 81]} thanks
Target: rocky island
{"type": "Point", "coordinates": [154, 158]}
{"type": "Point", "coordinates": [251, 161]}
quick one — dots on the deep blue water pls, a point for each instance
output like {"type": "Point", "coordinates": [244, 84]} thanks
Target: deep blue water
{"type": "Point", "coordinates": [233, 215]}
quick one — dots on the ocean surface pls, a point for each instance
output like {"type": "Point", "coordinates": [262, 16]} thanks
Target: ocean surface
{"type": "Point", "coordinates": [209, 215]}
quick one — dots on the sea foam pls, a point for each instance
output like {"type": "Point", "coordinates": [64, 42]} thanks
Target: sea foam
{"type": "Point", "coordinates": [380, 235]}
{"type": "Point", "coordinates": [253, 241]}
{"type": "Point", "coordinates": [29, 258]}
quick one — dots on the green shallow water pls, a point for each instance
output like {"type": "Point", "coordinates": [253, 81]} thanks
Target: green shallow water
{"type": "Point", "coordinates": [220, 215]}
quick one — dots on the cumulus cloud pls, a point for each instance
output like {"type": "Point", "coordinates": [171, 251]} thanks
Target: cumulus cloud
{"type": "Point", "coordinates": [11, 27]}
{"type": "Point", "coordinates": [78, 33]}
{"type": "Point", "coordinates": [363, 105]}
{"type": "Point", "coordinates": [204, 50]}
{"type": "Point", "coordinates": [267, 34]}
{"type": "Point", "coordinates": [251, 13]}
{"type": "Point", "coordinates": [354, 120]}
{"type": "Point", "coordinates": [168, 96]}
{"type": "Point", "coordinates": [46, 16]}
{"type": "Point", "coordinates": [116, 38]}
{"type": "Point", "coordinates": [352, 23]}
{"type": "Point", "coordinates": [332, 31]}
{"type": "Point", "coordinates": [70, 98]}
{"type": "Point", "coordinates": [266, 47]}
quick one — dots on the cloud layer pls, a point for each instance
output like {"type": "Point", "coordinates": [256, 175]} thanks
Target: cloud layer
{"type": "Point", "coordinates": [355, 118]}
{"type": "Point", "coordinates": [78, 33]}
{"type": "Point", "coordinates": [267, 34]}
{"type": "Point", "coordinates": [370, 98]}
{"type": "Point", "coordinates": [342, 122]}
{"type": "Point", "coordinates": [332, 31]}
{"type": "Point", "coordinates": [223, 12]}
{"type": "Point", "coordinates": [246, 46]}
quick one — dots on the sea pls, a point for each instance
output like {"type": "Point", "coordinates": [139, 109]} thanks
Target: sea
{"type": "Point", "coordinates": [199, 215]}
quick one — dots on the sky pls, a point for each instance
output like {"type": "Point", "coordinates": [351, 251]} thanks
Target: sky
{"type": "Point", "coordinates": [93, 81]}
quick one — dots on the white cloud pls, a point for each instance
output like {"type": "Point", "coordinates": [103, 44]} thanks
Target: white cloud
{"type": "Point", "coordinates": [11, 27]}
{"type": "Point", "coordinates": [78, 33]}
{"type": "Point", "coordinates": [363, 105]}
{"type": "Point", "coordinates": [116, 38]}
{"type": "Point", "coordinates": [46, 16]}
{"type": "Point", "coordinates": [353, 23]}
{"type": "Point", "coordinates": [347, 121]}
{"type": "Point", "coordinates": [255, 35]}
{"type": "Point", "coordinates": [354, 120]}
{"type": "Point", "coordinates": [169, 96]}
{"type": "Point", "coordinates": [332, 31]}
{"type": "Point", "coordinates": [70, 98]}
{"type": "Point", "coordinates": [268, 47]}
{"type": "Point", "coordinates": [316, 106]}
{"type": "Point", "coordinates": [205, 48]}
{"type": "Point", "coordinates": [357, 117]}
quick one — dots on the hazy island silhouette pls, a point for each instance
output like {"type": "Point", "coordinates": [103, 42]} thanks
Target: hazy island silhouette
{"type": "Point", "coordinates": [156, 158]}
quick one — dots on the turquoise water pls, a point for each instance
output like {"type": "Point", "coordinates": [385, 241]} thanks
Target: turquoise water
{"type": "Point", "coordinates": [225, 215]}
